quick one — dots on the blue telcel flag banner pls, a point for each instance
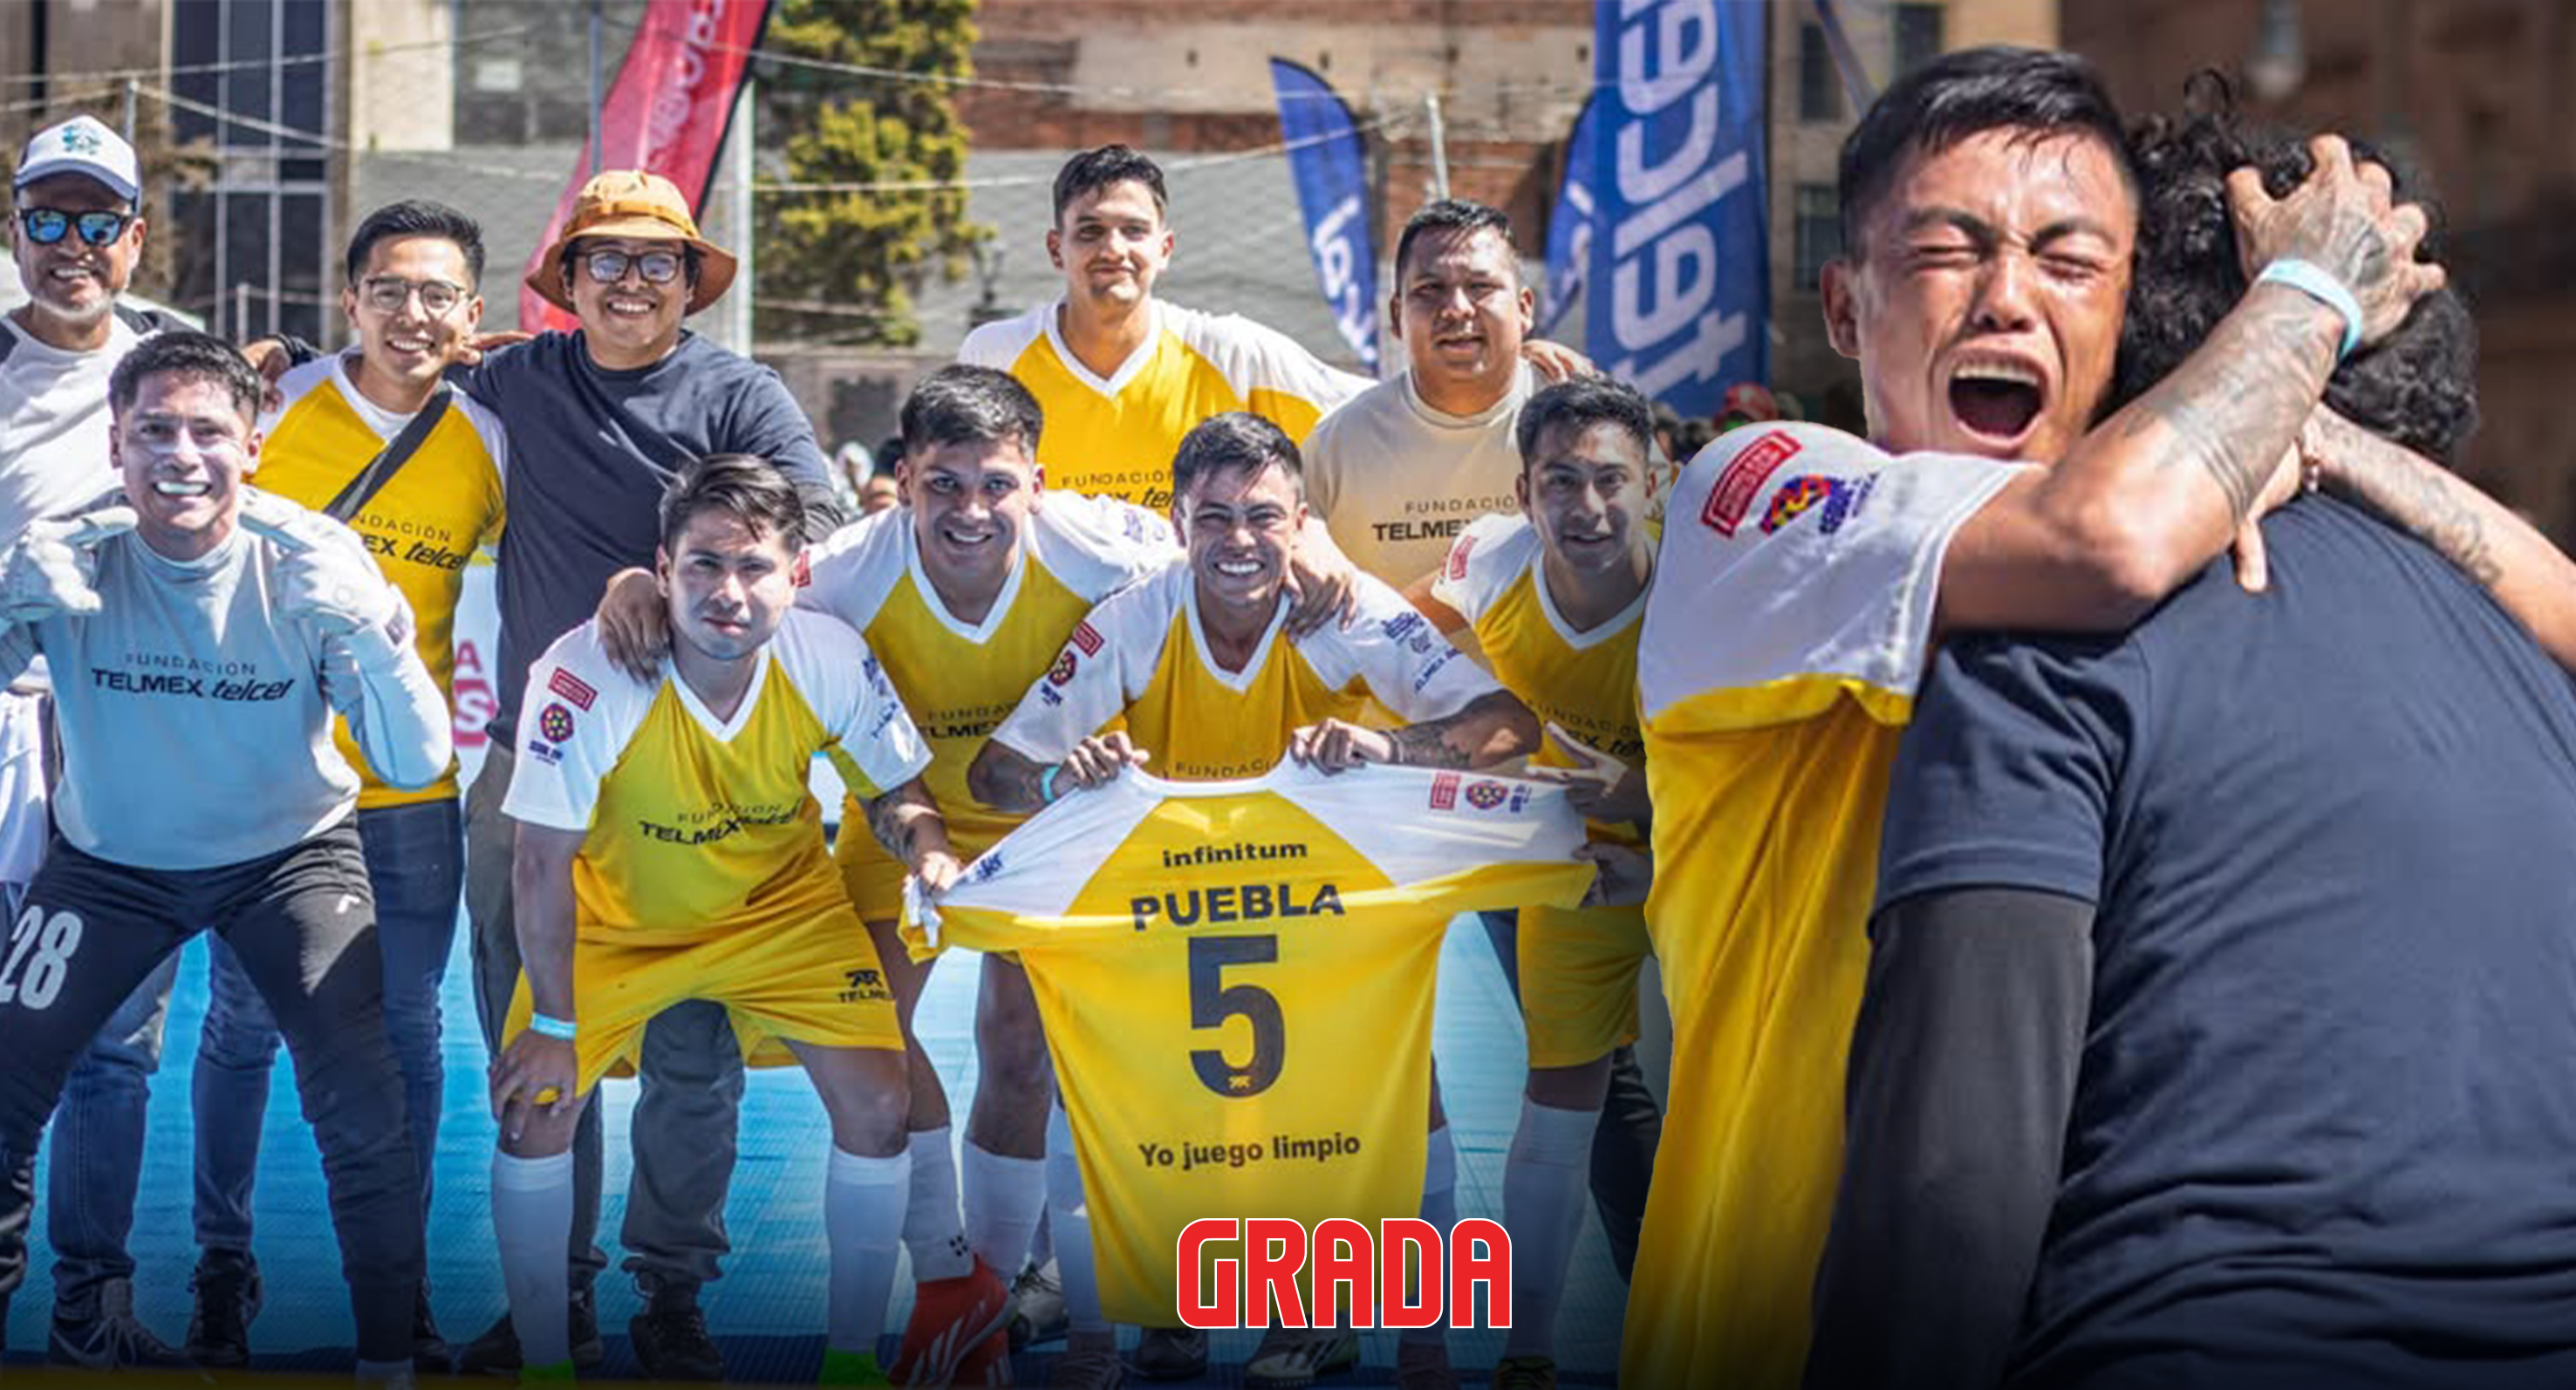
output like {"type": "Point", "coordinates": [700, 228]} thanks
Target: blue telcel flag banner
{"type": "Point", "coordinates": [1679, 289]}
{"type": "Point", "coordinates": [1331, 168]}
{"type": "Point", "coordinates": [1569, 227]}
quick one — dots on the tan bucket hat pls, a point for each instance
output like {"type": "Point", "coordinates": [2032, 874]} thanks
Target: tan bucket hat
{"type": "Point", "coordinates": [633, 203]}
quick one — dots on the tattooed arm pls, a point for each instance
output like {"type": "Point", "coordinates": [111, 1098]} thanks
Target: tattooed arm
{"type": "Point", "coordinates": [1489, 729]}
{"type": "Point", "coordinates": [2531, 578]}
{"type": "Point", "coordinates": [2153, 493]}
{"type": "Point", "coordinates": [907, 822]}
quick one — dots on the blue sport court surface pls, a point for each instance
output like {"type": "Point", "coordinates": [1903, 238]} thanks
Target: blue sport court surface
{"type": "Point", "coordinates": [767, 1309]}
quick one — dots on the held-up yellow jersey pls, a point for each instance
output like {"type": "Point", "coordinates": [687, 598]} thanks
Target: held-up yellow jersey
{"type": "Point", "coordinates": [1579, 966]}
{"type": "Point", "coordinates": [957, 679]}
{"type": "Point", "coordinates": [1142, 657]}
{"type": "Point", "coordinates": [1788, 627]}
{"type": "Point", "coordinates": [699, 826]}
{"type": "Point", "coordinates": [1236, 981]}
{"type": "Point", "coordinates": [423, 526]}
{"type": "Point", "coordinates": [1116, 436]}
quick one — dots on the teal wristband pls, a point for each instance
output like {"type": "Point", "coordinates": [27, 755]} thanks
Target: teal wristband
{"type": "Point", "coordinates": [552, 1027]}
{"type": "Point", "coordinates": [2315, 280]}
{"type": "Point", "coordinates": [1046, 784]}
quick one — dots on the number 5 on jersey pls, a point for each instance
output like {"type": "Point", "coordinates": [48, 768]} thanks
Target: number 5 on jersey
{"type": "Point", "coordinates": [1213, 1001]}
{"type": "Point", "coordinates": [40, 955]}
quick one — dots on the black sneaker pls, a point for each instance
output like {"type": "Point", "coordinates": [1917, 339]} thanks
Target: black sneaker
{"type": "Point", "coordinates": [496, 1352]}
{"type": "Point", "coordinates": [429, 1351]}
{"type": "Point", "coordinates": [114, 1339]}
{"type": "Point", "coordinates": [227, 1290]}
{"type": "Point", "coordinates": [671, 1341]}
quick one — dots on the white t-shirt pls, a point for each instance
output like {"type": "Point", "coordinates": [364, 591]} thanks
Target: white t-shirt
{"type": "Point", "coordinates": [54, 424]}
{"type": "Point", "coordinates": [1396, 481]}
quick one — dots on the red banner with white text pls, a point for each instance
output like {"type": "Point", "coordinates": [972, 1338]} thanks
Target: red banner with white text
{"type": "Point", "coordinates": [666, 112]}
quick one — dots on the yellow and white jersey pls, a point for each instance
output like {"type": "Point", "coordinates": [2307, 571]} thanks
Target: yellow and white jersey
{"type": "Point", "coordinates": [699, 826]}
{"type": "Point", "coordinates": [1116, 436]}
{"type": "Point", "coordinates": [423, 526]}
{"type": "Point", "coordinates": [1236, 981]}
{"type": "Point", "coordinates": [959, 679]}
{"type": "Point", "coordinates": [1142, 658]}
{"type": "Point", "coordinates": [1789, 625]}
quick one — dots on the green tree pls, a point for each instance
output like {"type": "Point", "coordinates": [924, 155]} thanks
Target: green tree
{"type": "Point", "coordinates": [843, 266]}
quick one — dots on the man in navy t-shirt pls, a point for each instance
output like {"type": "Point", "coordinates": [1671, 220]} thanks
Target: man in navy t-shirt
{"type": "Point", "coordinates": [2222, 1011]}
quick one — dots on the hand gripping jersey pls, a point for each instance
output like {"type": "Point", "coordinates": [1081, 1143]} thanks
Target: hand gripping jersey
{"type": "Point", "coordinates": [1579, 966]}
{"type": "Point", "coordinates": [1116, 436]}
{"type": "Point", "coordinates": [423, 526]}
{"type": "Point", "coordinates": [1141, 657]}
{"type": "Point", "coordinates": [1784, 637]}
{"type": "Point", "coordinates": [1236, 980]}
{"type": "Point", "coordinates": [957, 679]}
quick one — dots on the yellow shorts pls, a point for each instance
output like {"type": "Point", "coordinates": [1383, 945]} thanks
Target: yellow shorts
{"type": "Point", "coordinates": [819, 983]}
{"type": "Point", "coordinates": [1579, 969]}
{"type": "Point", "coordinates": [874, 879]}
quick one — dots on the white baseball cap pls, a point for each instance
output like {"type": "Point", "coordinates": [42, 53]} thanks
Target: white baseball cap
{"type": "Point", "coordinates": [82, 145]}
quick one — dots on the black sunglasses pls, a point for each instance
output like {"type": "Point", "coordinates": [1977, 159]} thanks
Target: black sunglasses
{"type": "Point", "coordinates": [45, 226]}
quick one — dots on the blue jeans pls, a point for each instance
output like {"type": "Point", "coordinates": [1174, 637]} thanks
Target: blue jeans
{"type": "Point", "coordinates": [416, 861]}
{"type": "Point", "coordinates": [97, 1158]}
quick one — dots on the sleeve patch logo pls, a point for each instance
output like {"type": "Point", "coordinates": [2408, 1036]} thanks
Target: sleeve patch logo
{"type": "Point", "coordinates": [1751, 467]}
{"type": "Point", "coordinates": [1458, 557]}
{"type": "Point", "coordinates": [555, 723]}
{"type": "Point", "coordinates": [572, 688]}
{"type": "Point", "coordinates": [1485, 796]}
{"type": "Point", "coordinates": [1062, 672]}
{"type": "Point", "coordinates": [1444, 792]}
{"type": "Point", "coordinates": [1087, 637]}
{"type": "Point", "coordinates": [1835, 500]}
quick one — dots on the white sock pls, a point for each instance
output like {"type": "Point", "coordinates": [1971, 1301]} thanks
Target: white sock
{"type": "Point", "coordinates": [1440, 1208]}
{"type": "Point", "coordinates": [1069, 1212]}
{"type": "Point", "coordinates": [532, 1222]}
{"type": "Point", "coordinates": [863, 1201]}
{"type": "Point", "coordinates": [1004, 1197]}
{"type": "Point", "coordinates": [932, 1234]}
{"type": "Point", "coordinates": [1543, 1209]}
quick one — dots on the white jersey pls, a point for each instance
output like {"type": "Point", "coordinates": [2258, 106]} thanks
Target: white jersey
{"type": "Point", "coordinates": [1143, 657]}
{"type": "Point", "coordinates": [1396, 480]}
{"type": "Point", "coordinates": [196, 726]}
{"type": "Point", "coordinates": [54, 424]}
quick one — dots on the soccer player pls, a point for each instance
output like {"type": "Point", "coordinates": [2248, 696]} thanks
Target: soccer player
{"type": "Point", "coordinates": [214, 632]}
{"type": "Point", "coordinates": [77, 235]}
{"type": "Point", "coordinates": [1805, 575]}
{"type": "Point", "coordinates": [371, 434]}
{"type": "Point", "coordinates": [1195, 670]}
{"type": "Point", "coordinates": [1121, 375]}
{"type": "Point", "coordinates": [2180, 979]}
{"type": "Point", "coordinates": [1554, 595]}
{"type": "Point", "coordinates": [669, 850]}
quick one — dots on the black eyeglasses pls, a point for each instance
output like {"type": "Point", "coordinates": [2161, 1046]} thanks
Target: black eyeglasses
{"type": "Point", "coordinates": [609, 267]}
{"type": "Point", "coordinates": [388, 294]}
{"type": "Point", "coordinates": [45, 226]}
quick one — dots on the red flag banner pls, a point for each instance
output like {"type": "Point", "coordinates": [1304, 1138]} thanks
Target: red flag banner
{"type": "Point", "coordinates": [666, 112]}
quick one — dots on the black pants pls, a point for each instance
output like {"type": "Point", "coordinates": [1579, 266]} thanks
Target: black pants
{"type": "Point", "coordinates": [1623, 1143]}
{"type": "Point", "coordinates": [303, 924]}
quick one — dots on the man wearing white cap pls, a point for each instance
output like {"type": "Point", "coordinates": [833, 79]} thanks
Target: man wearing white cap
{"type": "Point", "coordinates": [77, 232]}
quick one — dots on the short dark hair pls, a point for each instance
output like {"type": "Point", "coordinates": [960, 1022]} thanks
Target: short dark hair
{"type": "Point", "coordinates": [417, 217]}
{"type": "Point", "coordinates": [1452, 215]}
{"type": "Point", "coordinates": [1579, 404]}
{"type": "Point", "coordinates": [2035, 92]}
{"type": "Point", "coordinates": [190, 354]}
{"type": "Point", "coordinates": [746, 487]}
{"type": "Point", "coordinates": [963, 404]}
{"type": "Point", "coordinates": [1093, 170]}
{"type": "Point", "coordinates": [1236, 440]}
{"type": "Point", "coordinates": [2418, 386]}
